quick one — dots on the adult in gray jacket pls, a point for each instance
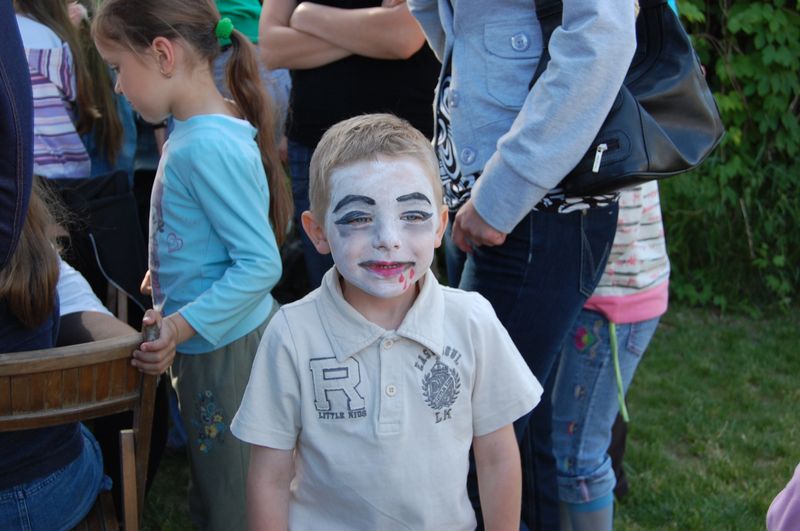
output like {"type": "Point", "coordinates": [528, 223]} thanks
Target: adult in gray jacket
{"type": "Point", "coordinates": [533, 252]}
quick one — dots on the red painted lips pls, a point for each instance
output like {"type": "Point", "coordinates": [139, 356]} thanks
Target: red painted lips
{"type": "Point", "coordinates": [386, 269]}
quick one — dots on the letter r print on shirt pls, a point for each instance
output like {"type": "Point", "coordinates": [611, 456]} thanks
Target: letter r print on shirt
{"type": "Point", "coordinates": [331, 376]}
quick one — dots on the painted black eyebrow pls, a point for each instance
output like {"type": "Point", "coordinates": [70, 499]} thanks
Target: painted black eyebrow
{"type": "Point", "coordinates": [416, 195]}
{"type": "Point", "coordinates": [353, 199]}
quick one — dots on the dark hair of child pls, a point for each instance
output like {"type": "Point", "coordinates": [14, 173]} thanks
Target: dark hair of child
{"type": "Point", "coordinates": [108, 129]}
{"type": "Point", "coordinates": [28, 282]}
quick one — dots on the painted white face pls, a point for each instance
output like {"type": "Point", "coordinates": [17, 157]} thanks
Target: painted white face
{"type": "Point", "coordinates": [382, 224]}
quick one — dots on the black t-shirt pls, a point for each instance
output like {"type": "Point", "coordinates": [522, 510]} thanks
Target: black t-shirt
{"type": "Point", "coordinates": [356, 85]}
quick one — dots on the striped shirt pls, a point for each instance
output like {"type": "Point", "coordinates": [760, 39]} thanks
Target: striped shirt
{"type": "Point", "coordinates": [634, 286]}
{"type": "Point", "coordinates": [58, 152]}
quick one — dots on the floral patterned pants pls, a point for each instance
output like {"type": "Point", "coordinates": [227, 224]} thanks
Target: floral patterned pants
{"type": "Point", "coordinates": [210, 387]}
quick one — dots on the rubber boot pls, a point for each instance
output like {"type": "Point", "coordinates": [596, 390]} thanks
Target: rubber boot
{"type": "Point", "coordinates": [597, 515]}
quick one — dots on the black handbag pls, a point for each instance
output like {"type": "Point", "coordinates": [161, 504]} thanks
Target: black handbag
{"type": "Point", "coordinates": [664, 120]}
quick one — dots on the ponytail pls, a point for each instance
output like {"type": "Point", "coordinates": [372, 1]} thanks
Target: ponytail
{"type": "Point", "coordinates": [256, 106]}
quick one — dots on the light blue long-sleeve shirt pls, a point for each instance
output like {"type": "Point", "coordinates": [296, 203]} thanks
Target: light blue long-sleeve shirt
{"type": "Point", "coordinates": [524, 142]}
{"type": "Point", "coordinates": [213, 254]}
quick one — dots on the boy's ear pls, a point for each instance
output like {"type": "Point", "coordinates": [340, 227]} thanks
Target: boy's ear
{"type": "Point", "coordinates": [443, 219]}
{"type": "Point", "coordinates": [315, 232]}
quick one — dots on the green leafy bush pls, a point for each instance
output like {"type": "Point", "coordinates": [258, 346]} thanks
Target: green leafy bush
{"type": "Point", "coordinates": [733, 225]}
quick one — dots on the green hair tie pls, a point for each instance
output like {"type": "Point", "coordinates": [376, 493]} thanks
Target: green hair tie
{"type": "Point", "coordinates": [224, 28]}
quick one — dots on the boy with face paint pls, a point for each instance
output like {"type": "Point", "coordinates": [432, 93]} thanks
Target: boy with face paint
{"type": "Point", "coordinates": [366, 395]}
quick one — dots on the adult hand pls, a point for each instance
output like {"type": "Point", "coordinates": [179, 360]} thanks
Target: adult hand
{"type": "Point", "coordinates": [469, 230]}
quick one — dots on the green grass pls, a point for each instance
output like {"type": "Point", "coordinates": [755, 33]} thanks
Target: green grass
{"type": "Point", "coordinates": [167, 504]}
{"type": "Point", "coordinates": [715, 425]}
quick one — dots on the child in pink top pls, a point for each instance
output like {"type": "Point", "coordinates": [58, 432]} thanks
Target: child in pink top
{"type": "Point", "coordinates": [625, 307]}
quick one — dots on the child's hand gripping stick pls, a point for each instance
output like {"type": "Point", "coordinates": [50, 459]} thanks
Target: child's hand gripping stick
{"type": "Point", "coordinates": [150, 332]}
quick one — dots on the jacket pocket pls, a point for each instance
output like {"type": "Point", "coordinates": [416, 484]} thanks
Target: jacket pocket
{"type": "Point", "coordinates": [513, 50]}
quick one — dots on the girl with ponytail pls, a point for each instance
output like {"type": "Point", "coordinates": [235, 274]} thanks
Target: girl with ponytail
{"type": "Point", "coordinates": [219, 209]}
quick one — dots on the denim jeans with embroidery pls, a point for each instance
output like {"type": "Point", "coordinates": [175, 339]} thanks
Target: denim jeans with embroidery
{"type": "Point", "coordinates": [585, 402]}
{"type": "Point", "coordinates": [58, 500]}
{"type": "Point", "coordinates": [537, 282]}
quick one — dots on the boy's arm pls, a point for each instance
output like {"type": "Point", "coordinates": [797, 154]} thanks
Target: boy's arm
{"type": "Point", "coordinates": [377, 32]}
{"type": "Point", "coordinates": [268, 480]}
{"type": "Point", "coordinates": [499, 478]}
{"type": "Point", "coordinates": [282, 46]}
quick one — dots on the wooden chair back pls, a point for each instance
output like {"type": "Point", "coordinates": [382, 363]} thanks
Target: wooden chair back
{"type": "Point", "coordinates": [41, 388]}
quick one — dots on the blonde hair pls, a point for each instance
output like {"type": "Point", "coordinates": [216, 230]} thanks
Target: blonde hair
{"type": "Point", "coordinates": [366, 137]}
{"type": "Point", "coordinates": [134, 24]}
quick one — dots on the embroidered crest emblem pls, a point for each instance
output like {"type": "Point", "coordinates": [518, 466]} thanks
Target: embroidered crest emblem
{"type": "Point", "coordinates": [441, 386]}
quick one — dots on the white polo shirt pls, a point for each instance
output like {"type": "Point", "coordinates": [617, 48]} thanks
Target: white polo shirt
{"type": "Point", "coordinates": [382, 420]}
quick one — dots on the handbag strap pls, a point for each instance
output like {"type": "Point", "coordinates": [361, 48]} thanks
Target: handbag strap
{"type": "Point", "coordinates": [549, 13]}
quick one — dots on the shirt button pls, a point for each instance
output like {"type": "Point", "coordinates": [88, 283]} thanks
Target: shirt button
{"type": "Point", "coordinates": [454, 98]}
{"type": "Point", "coordinates": [388, 343]}
{"type": "Point", "coordinates": [467, 155]}
{"type": "Point", "coordinates": [391, 390]}
{"type": "Point", "coordinates": [520, 42]}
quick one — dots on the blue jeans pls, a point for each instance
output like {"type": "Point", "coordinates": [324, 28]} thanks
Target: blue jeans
{"type": "Point", "coordinates": [299, 161]}
{"type": "Point", "coordinates": [585, 402]}
{"type": "Point", "coordinates": [59, 500]}
{"type": "Point", "coordinates": [537, 282]}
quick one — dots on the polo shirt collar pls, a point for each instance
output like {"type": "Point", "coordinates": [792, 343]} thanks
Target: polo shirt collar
{"type": "Point", "coordinates": [350, 332]}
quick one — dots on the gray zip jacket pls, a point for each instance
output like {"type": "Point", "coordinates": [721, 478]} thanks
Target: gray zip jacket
{"type": "Point", "coordinates": [525, 142]}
